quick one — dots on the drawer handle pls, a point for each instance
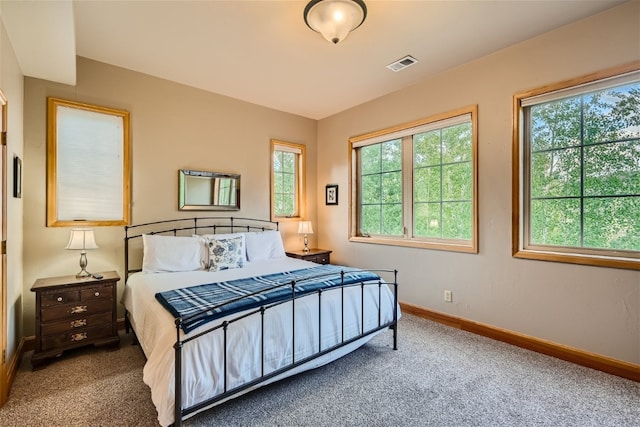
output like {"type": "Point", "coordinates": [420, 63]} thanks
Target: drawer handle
{"type": "Point", "coordinates": [59, 299]}
{"type": "Point", "coordinates": [78, 323]}
{"type": "Point", "coordinates": [78, 309]}
{"type": "Point", "coordinates": [79, 337]}
{"type": "Point", "coordinates": [97, 294]}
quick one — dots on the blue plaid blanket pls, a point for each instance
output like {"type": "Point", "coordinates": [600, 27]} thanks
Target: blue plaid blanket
{"type": "Point", "coordinates": [197, 305]}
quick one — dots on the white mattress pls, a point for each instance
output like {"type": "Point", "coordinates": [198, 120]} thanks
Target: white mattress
{"type": "Point", "coordinates": [203, 359]}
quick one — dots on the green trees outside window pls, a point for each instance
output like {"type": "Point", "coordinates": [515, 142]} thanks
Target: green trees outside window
{"type": "Point", "coordinates": [443, 183]}
{"type": "Point", "coordinates": [381, 188]}
{"type": "Point", "coordinates": [585, 170]}
{"type": "Point", "coordinates": [284, 183]}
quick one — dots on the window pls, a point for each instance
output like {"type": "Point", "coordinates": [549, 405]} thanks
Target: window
{"type": "Point", "coordinates": [88, 165]}
{"type": "Point", "coordinates": [415, 184]}
{"type": "Point", "coordinates": [577, 171]}
{"type": "Point", "coordinates": [287, 180]}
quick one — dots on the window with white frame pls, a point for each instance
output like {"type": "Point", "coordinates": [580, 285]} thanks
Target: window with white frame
{"type": "Point", "coordinates": [577, 147]}
{"type": "Point", "coordinates": [287, 180]}
{"type": "Point", "coordinates": [415, 184]}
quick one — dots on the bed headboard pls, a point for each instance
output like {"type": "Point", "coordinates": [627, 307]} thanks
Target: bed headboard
{"type": "Point", "coordinates": [184, 227]}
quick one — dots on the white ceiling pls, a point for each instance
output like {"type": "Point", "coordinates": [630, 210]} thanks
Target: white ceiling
{"type": "Point", "coordinates": [262, 51]}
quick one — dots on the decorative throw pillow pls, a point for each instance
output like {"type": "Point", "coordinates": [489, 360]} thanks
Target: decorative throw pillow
{"type": "Point", "coordinates": [225, 254]}
{"type": "Point", "coordinates": [220, 236]}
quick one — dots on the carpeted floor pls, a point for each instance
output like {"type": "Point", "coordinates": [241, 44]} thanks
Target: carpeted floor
{"type": "Point", "coordinates": [439, 376]}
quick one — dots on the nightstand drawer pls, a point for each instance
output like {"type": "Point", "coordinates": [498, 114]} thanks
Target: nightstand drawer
{"type": "Point", "coordinates": [81, 308]}
{"type": "Point", "coordinates": [76, 337]}
{"type": "Point", "coordinates": [59, 298]}
{"type": "Point", "coordinates": [77, 323]}
{"type": "Point", "coordinates": [95, 293]}
{"type": "Point", "coordinates": [321, 259]}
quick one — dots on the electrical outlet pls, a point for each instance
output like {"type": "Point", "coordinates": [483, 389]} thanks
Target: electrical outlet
{"type": "Point", "coordinates": [447, 296]}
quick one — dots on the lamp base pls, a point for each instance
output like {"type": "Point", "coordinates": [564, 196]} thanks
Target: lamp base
{"type": "Point", "coordinates": [306, 244]}
{"type": "Point", "coordinates": [83, 265]}
{"type": "Point", "coordinates": [83, 273]}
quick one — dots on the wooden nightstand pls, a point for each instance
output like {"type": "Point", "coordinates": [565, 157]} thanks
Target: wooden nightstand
{"type": "Point", "coordinates": [73, 312]}
{"type": "Point", "coordinates": [320, 256]}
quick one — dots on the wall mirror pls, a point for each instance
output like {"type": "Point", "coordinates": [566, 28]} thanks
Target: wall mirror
{"type": "Point", "coordinates": [208, 191]}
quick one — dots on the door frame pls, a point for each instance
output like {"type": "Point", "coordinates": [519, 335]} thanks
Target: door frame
{"type": "Point", "coordinates": [4, 377]}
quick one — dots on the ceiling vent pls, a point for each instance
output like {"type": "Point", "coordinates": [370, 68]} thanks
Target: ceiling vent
{"type": "Point", "coordinates": [403, 63]}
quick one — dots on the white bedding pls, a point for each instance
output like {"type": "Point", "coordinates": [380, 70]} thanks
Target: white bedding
{"type": "Point", "coordinates": [203, 359]}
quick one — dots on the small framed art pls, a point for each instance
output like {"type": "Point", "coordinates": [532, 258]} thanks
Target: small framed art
{"type": "Point", "coordinates": [331, 194]}
{"type": "Point", "coordinates": [17, 177]}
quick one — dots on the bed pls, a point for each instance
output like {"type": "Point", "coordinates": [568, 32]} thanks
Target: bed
{"type": "Point", "coordinates": [219, 310]}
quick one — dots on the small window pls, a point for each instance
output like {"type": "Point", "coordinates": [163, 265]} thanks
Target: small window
{"type": "Point", "coordinates": [88, 165]}
{"type": "Point", "coordinates": [415, 184]}
{"type": "Point", "coordinates": [287, 180]}
{"type": "Point", "coordinates": [578, 173]}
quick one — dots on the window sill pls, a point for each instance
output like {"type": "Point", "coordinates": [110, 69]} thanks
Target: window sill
{"type": "Point", "coordinates": [444, 246]}
{"type": "Point", "coordinates": [592, 260]}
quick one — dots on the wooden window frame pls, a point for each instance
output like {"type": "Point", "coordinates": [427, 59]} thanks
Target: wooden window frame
{"type": "Point", "coordinates": [407, 129]}
{"type": "Point", "coordinates": [301, 196]}
{"type": "Point", "coordinates": [52, 165]}
{"type": "Point", "coordinates": [520, 247]}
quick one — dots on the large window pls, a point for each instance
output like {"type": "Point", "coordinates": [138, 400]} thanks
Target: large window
{"type": "Point", "coordinates": [577, 158]}
{"type": "Point", "coordinates": [415, 184]}
{"type": "Point", "coordinates": [287, 179]}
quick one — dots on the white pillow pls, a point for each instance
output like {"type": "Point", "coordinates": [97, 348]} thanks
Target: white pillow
{"type": "Point", "coordinates": [264, 245]}
{"type": "Point", "coordinates": [171, 253]}
{"type": "Point", "coordinates": [225, 254]}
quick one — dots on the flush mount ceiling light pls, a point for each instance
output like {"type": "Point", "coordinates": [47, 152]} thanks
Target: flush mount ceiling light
{"type": "Point", "coordinates": [335, 19]}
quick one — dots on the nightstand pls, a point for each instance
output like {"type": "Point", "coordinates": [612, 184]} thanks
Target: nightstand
{"type": "Point", "coordinates": [73, 312]}
{"type": "Point", "coordinates": [320, 256]}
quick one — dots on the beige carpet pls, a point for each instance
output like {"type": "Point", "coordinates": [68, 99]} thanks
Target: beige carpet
{"type": "Point", "coordinates": [440, 376]}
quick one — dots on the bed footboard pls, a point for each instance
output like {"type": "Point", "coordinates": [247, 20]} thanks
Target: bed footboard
{"type": "Point", "coordinates": [382, 322]}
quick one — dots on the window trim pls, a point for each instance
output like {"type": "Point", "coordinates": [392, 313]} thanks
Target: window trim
{"type": "Point", "coordinates": [355, 142]}
{"type": "Point", "coordinates": [518, 225]}
{"type": "Point", "coordinates": [300, 180]}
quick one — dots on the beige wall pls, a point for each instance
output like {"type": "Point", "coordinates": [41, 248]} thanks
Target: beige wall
{"type": "Point", "coordinates": [594, 309]}
{"type": "Point", "coordinates": [11, 84]}
{"type": "Point", "coordinates": [172, 127]}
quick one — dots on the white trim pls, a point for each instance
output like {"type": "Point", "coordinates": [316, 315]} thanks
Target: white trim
{"type": "Point", "coordinates": [440, 124]}
{"type": "Point", "coordinates": [286, 148]}
{"type": "Point", "coordinates": [632, 77]}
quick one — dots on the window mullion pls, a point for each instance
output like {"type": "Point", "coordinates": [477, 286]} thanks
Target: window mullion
{"type": "Point", "coordinates": [407, 186]}
{"type": "Point", "coordinates": [582, 171]}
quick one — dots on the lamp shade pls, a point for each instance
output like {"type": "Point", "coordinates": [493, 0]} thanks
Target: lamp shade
{"type": "Point", "coordinates": [304, 227]}
{"type": "Point", "coordinates": [335, 19]}
{"type": "Point", "coordinates": [81, 238]}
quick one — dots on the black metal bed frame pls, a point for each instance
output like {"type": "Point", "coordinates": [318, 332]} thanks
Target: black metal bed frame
{"type": "Point", "coordinates": [203, 225]}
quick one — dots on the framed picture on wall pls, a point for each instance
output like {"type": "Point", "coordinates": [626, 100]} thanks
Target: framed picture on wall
{"type": "Point", "coordinates": [331, 194]}
{"type": "Point", "coordinates": [17, 177]}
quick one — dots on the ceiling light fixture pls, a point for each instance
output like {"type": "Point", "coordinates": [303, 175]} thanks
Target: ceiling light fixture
{"type": "Point", "coordinates": [335, 19]}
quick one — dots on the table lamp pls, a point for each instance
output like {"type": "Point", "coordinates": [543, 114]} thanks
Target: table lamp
{"type": "Point", "coordinates": [82, 239]}
{"type": "Point", "coordinates": [304, 227]}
